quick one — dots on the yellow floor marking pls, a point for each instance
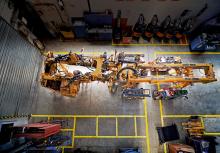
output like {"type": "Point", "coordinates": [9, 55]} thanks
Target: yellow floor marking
{"type": "Point", "coordinates": [212, 133]}
{"type": "Point", "coordinates": [74, 136]}
{"type": "Point", "coordinates": [146, 126]}
{"type": "Point", "coordinates": [161, 112]}
{"type": "Point", "coordinates": [108, 137]}
{"type": "Point", "coordinates": [74, 131]}
{"type": "Point", "coordinates": [202, 121]}
{"type": "Point", "coordinates": [97, 126]}
{"type": "Point", "coordinates": [88, 116]}
{"type": "Point", "coordinates": [93, 116]}
{"type": "Point", "coordinates": [161, 106]}
{"type": "Point", "coordinates": [67, 147]}
{"type": "Point", "coordinates": [135, 126]}
{"type": "Point", "coordinates": [116, 127]}
{"type": "Point", "coordinates": [66, 130]}
{"type": "Point", "coordinates": [161, 117]}
{"type": "Point", "coordinates": [211, 116]}
{"type": "Point", "coordinates": [189, 115]}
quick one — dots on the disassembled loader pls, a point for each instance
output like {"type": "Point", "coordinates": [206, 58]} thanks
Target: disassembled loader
{"type": "Point", "coordinates": [65, 73]}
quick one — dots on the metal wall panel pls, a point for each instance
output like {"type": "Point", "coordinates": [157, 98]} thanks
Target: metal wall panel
{"type": "Point", "coordinates": [20, 63]}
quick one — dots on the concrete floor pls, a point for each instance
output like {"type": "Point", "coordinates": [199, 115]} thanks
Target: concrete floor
{"type": "Point", "coordinates": [95, 99]}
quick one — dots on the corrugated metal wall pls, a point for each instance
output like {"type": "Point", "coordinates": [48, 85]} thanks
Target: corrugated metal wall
{"type": "Point", "coordinates": [19, 66]}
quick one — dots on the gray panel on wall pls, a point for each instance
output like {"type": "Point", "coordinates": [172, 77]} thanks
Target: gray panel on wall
{"type": "Point", "coordinates": [20, 63]}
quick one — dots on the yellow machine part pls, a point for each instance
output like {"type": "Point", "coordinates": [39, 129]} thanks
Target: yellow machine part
{"type": "Point", "coordinates": [67, 89]}
{"type": "Point", "coordinates": [67, 34]}
{"type": "Point", "coordinates": [181, 75]}
{"type": "Point", "coordinates": [194, 127]}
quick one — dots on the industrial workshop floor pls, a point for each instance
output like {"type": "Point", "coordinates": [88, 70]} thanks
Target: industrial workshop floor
{"type": "Point", "coordinates": [100, 121]}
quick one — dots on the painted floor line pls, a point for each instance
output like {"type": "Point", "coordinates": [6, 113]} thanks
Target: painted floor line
{"type": "Point", "coordinates": [146, 126]}
{"type": "Point", "coordinates": [189, 115]}
{"type": "Point", "coordinates": [87, 116]}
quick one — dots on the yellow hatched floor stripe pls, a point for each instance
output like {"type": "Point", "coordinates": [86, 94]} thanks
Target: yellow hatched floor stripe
{"type": "Point", "coordinates": [146, 126]}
